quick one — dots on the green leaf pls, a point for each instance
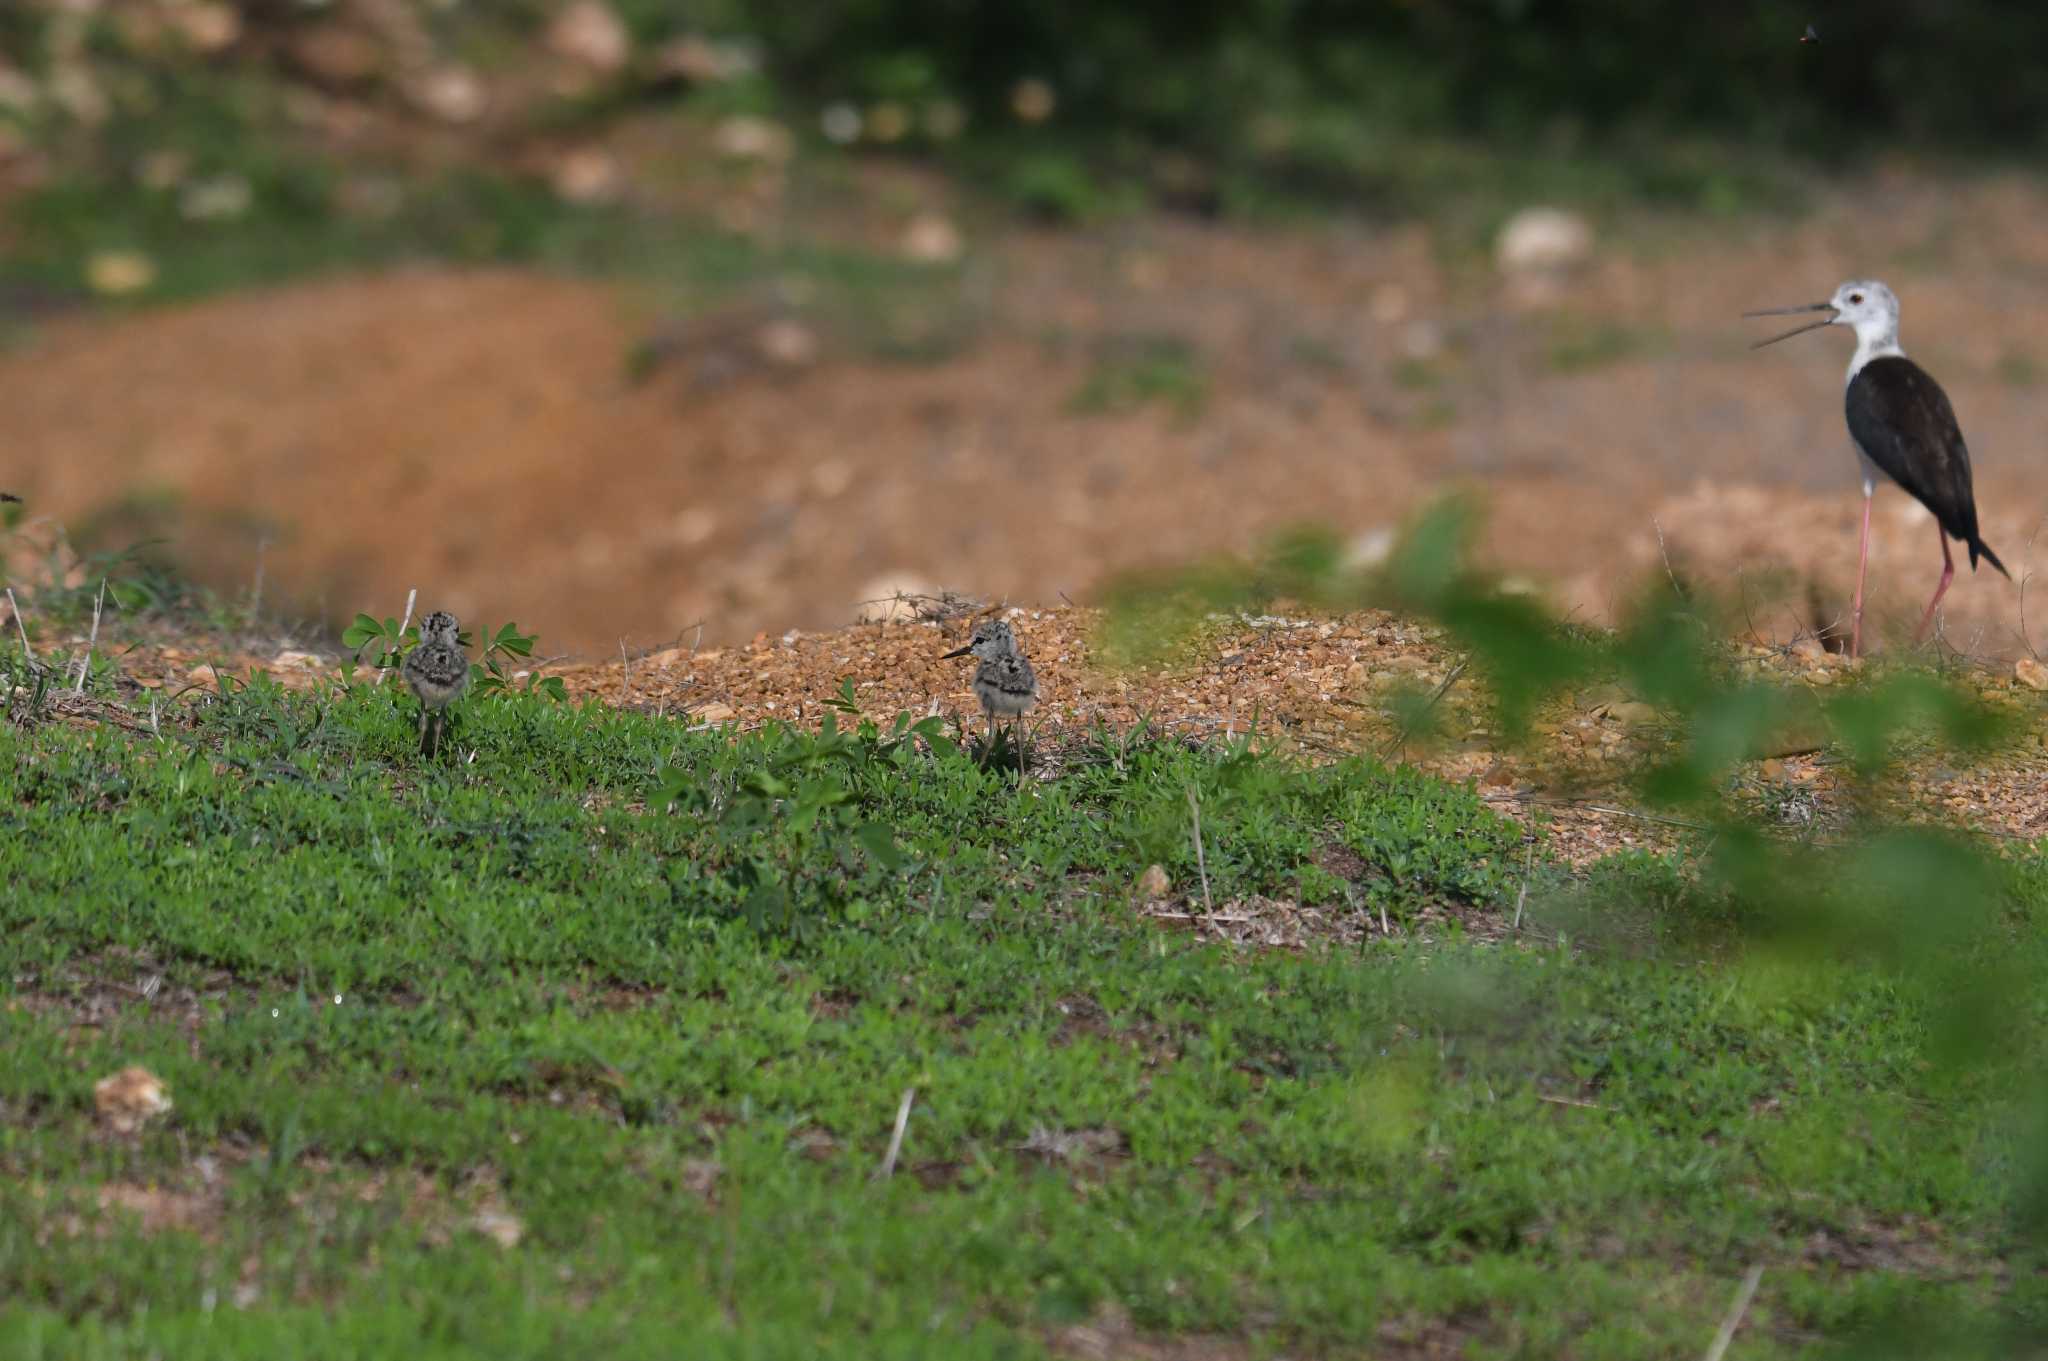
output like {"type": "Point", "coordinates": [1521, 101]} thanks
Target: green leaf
{"type": "Point", "coordinates": [674, 785]}
{"type": "Point", "coordinates": [767, 906]}
{"type": "Point", "coordinates": [766, 785]}
{"type": "Point", "coordinates": [879, 840]}
{"type": "Point", "coordinates": [843, 699]}
{"type": "Point", "coordinates": [360, 632]}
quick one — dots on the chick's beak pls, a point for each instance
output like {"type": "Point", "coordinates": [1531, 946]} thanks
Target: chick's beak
{"type": "Point", "coordinates": [958, 652]}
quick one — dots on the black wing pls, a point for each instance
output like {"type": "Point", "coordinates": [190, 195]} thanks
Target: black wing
{"type": "Point", "coordinates": [1902, 421]}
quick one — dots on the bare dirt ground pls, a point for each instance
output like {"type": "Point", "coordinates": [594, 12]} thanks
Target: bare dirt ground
{"type": "Point", "coordinates": [1321, 687]}
{"type": "Point", "coordinates": [479, 436]}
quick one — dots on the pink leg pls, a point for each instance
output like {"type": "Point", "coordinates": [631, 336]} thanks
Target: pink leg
{"type": "Point", "coordinates": [1862, 561]}
{"type": "Point", "coordinates": [1948, 572]}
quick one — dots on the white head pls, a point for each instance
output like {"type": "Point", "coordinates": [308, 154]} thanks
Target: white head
{"type": "Point", "coordinates": [1869, 307]}
{"type": "Point", "coordinates": [1866, 306]}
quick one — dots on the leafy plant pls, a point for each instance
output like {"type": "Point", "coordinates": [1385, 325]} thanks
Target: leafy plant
{"type": "Point", "coordinates": [1150, 369]}
{"type": "Point", "coordinates": [796, 845]}
{"type": "Point", "coordinates": [261, 715]}
{"type": "Point", "coordinates": [491, 673]}
{"type": "Point", "coordinates": [391, 641]}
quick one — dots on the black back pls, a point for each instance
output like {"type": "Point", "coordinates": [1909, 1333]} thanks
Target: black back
{"type": "Point", "coordinates": [1902, 421]}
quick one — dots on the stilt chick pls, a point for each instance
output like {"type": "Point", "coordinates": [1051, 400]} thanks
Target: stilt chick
{"type": "Point", "coordinates": [437, 672]}
{"type": "Point", "coordinates": [1004, 681]}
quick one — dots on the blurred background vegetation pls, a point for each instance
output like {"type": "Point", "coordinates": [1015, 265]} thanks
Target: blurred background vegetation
{"type": "Point", "coordinates": [127, 116]}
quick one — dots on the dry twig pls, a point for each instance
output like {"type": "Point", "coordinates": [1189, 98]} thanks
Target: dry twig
{"type": "Point", "coordinates": [1201, 860]}
{"type": "Point", "coordinates": [85, 662]}
{"type": "Point", "coordinates": [1570, 1101]}
{"type": "Point", "coordinates": [2027, 575]}
{"type": "Point", "coordinates": [14, 607]}
{"type": "Point", "coordinates": [256, 586]}
{"type": "Point", "coordinates": [1400, 738]}
{"type": "Point", "coordinates": [888, 1167]}
{"type": "Point", "coordinates": [410, 597]}
{"type": "Point", "coordinates": [1736, 1312]}
{"type": "Point", "coordinates": [1522, 898]}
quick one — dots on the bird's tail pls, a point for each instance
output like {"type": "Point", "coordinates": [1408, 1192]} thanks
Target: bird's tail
{"type": "Point", "coordinates": [1979, 548]}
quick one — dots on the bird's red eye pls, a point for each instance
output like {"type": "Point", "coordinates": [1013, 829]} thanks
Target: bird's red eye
{"type": "Point", "coordinates": [1855, 297]}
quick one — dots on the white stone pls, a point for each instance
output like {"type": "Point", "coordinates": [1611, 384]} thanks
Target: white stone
{"type": "Point", "coordinates": [1369, 549]}
{"type": "Point", "coordinates": [591, 34]}
{"type": "Point", "coordinates": [1389, 304]}
{"type": "Point", "coordinates": [453, 94]}
{"type": "Point", "coordinates": [1543, 239]}
{"type": "Point", "coordinates": [932, 239]}
{"type": "Point", "coordinates": [588, 175]}
{"type": "Point", "coordinates": [744, 137]}
{"type": "Point", "coordinates": [788, 343]}
{"type": "Point", "coordinates": [208, 26]}
{"type": "Point", "coordinates": [219, 199]}
{"type": "Point", "coordinates": [841, 124]}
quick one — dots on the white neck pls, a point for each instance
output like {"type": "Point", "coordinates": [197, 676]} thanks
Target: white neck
{"type": "Point", "coordinates": [1875, 339]}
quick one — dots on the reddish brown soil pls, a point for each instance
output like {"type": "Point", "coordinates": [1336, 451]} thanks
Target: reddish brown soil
{"type": "Point", "coordinates": [477, 436]}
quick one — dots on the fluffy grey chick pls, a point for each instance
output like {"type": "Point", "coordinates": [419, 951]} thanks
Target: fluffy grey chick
{"type": "Point", "coordinates": [1004, 681]}
{"type": "Point", "coordinates": [437, 672]}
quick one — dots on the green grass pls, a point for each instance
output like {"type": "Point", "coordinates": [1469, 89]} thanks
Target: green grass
{"type": "Point", "coordinates": [2018, 368]}
{"type": "Point", "coordinates": [313, 211]}
{"type": "Point", "coordinates": [318, 207]}
{"type": "Point", "coordinates": [1131, 372]}
{"type": "Point", "coordinates": [657, 994]}
{"type": "Point", "coordinates": [293, 230]}
{"type": "Point", "coordinates": [1580, 344]}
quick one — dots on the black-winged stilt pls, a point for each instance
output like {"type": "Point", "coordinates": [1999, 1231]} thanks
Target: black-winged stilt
{"type": "Point", "coordinates": [1903, 426]}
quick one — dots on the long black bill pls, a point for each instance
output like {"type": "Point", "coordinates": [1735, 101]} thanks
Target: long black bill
{"type": "Point", "coordinates": [1827, 320]}
{"type": "Point", "coordinates": [958, 652]}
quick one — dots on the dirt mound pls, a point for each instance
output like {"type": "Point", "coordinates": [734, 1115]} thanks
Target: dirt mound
{"type": "Point", "coordinates": [479, 437]}
{"type": "Point", "coordinates": [1324, 688]}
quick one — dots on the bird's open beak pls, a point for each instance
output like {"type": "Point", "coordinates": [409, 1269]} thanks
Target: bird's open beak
{"type": "Point", "coordinates": [1827, 320]}
{"type": "Point", "coordinates": [959, 652]}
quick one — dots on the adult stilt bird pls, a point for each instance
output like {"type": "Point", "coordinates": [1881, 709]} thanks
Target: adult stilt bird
{"type": "Point", "coordinates": [1903, 426]}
